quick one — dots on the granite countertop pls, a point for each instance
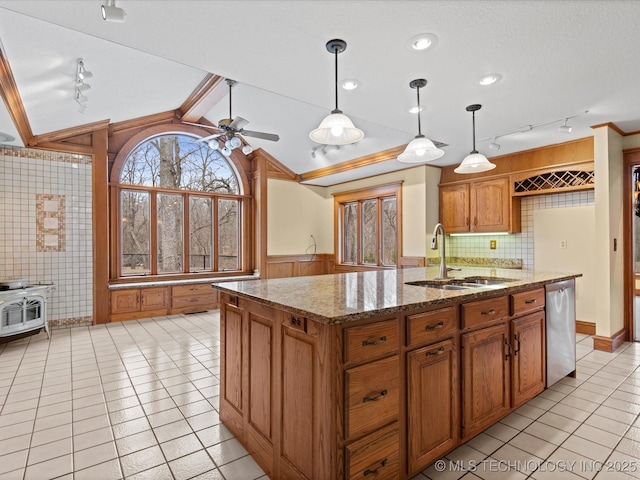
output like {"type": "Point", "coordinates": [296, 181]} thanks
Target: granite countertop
{"type": "Point", "coordinates": [344, 297]}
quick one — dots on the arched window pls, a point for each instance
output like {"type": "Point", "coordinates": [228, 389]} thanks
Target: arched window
{"type": "Point", "coordinates": [180, 209]}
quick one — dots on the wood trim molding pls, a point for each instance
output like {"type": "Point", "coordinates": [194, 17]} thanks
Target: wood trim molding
{"type": "Point", "coordinates": [70, 133]}
{"type": "Point", "coordinates": [556, 155]}
{"type": "Point", "coordinates": [367, 160]}
{"type": "Point", "coordinates": [207, 94]}
{"type": "Point", "coordinates": [587, 328]}
{"type": "Point", "coordinates": [279, 266]}
{"type": "Point", "coordinates": [144, 122]}
{"type": "Point", "coordinates": [275, 169]}
{"type": "Point", "coordinates": [100, 213]}
{"type": "Point", "coordinates": [610, 344]}
{"type": "Point", "coordinates": [613, 127]}
{"type": "Point", "coordinates": [13, 101]}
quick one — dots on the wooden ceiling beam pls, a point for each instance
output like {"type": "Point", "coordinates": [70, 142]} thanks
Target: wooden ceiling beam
{"type": "Point", "coordinates": [205, 96]}
{"type": "Point", "coordinates": [13, 101]}
{"type": "Point", "coordinates": [69, 133]}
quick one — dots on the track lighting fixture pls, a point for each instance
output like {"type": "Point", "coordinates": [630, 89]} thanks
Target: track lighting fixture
{"type": "Point", "coordinates": [493, 145]}
{"type": "Point", "coordinates": [565, 128]}
{"type": "Point", "coordinates": [336, 128]}
{"type": "Point", "coordinates": [474, 162]}
{"type": "Point", "coordinates": [111, 13]}
{"type": "Point", "coordinates": [420, 149]}
{"type": "Point", "coordinates": [80, 86]}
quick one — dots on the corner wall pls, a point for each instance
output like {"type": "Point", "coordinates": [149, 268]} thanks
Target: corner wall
{"type": "Point", "coordinates": [46, 234]}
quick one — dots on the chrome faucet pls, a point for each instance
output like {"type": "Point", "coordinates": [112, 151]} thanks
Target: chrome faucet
{"type": "Point", "coordinates": [434, 246]}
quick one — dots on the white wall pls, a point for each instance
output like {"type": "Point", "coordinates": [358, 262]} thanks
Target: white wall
{"type": "Point", "coordinates": [575, 226]}
{"type": "Point", "coordinates": [296, 211]}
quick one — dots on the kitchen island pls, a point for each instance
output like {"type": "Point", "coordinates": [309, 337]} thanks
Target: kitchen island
{"type": "Point", "coordinates": [377, 374]}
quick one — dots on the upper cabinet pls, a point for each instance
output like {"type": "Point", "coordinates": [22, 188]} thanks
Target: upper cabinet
{"type": "Point", "coordinates": [479, 206]}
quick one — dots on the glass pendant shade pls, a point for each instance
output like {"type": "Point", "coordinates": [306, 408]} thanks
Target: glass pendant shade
{"type": "Point", "coordinates": [474, 163]}
{"type": "Point", "coordinates": [336, 129]}
{"type": "Point", "coordinates": [420, 149]}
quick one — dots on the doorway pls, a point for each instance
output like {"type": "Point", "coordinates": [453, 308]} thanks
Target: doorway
{"type": "Point", "coordinates": [631, 212]}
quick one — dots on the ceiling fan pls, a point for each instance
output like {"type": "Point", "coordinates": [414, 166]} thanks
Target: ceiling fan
{"type": "Point", "coordinates": [231, 127]}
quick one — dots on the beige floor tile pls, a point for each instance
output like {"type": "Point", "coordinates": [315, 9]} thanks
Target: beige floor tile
{"type": "Point", "coordinates": [142, 460]}
{"type": "Point", "coordinates": [104, 471]}
{"type": "Point", "coordinates": [92, 438]}
{"type": "Point", "coordinates": [227, 451]}
{"type": "Point", "coordinates": [216, 434]}
{"type": "Point", "coordinates": [155, 473]}
{"type": "Point", "coordinates": [13, 461]}
{"type": "Point", "coordinates": [53, 468]}
{"type": "Point", "coordinates": [92, 456]}
{"type": "Point", "coordinates": [136, 442]}
{"type": "Point", "coordinates": [587, 448]}
{"type": "Point", "coordinates": [242, 469]}
{"type": "Point", "coordinates": [131, 427]}
{"type": "Point", "coordinates": [547, 433]}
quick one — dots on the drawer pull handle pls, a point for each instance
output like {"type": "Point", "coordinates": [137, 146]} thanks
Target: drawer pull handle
{"type": "Point", "coordinates": [374, 342]}
{"type": "Point", "coordinates": [516, 349]}
{"type": "Point", "coordinates": [375, 471]}
{"type": "Point", "coordinates": [374, 398]}
{"type": "Point", "coordinates": [490, 312]}
{"type": "Point", "coordinates": [439, 351]}
{"type": "Point", "coordinates": [429, 328]}
{"type": "Point", "coordinates": [529, 302]}
{"type": "Point", "coordinates": [296, 321]}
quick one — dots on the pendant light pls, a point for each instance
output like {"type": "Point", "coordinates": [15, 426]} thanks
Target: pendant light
{"type": "Point", "coordinates": [420, 149]}
{"type": "Point", "coordinates": [336, 128]}
{"type": "Point", "coordinates": [474, 162]}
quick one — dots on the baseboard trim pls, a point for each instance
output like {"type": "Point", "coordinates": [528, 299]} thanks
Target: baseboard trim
{"type": "Point", "coordinates": [609, 344]}
{"type": "Point", "coordinates": [587, 328]}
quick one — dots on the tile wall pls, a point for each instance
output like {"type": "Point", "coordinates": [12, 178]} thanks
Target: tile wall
{"type": "Point", "coordinates": [29, 180]}
{"type": "Point", "coordinates": [518, 245]}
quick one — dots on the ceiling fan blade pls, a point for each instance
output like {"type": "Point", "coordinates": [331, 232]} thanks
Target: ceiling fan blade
{"type": "Point", "coordinates": [265, 136]}
{"type": "Point", "coordinates": [210, 137]}
{"type": "Point", "coordinates": [210, 127]}
{"type": "Point", "coordinates": [238, 123]}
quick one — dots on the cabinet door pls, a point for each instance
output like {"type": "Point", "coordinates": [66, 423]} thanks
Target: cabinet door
{"type": "Point", "coordinates": [432, 403]}
{"type": "Point", "coordinates": [153, 298]}
{"type": "Point", "coordinates": [125, 301]}
{"type": "Point", "coordinates": [454, 208]}
{"type": "Point", "coordinates": [528, 369]}
{"type": "Point", "coordinates": [485, 377]}
{"type": "Point", "coordinates": [232, 341]}
{"type": "Point", "coordinates": [490, 205]}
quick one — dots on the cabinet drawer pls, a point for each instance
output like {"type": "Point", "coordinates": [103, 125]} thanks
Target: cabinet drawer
{"type": "Point", "coordinates": [376, 457]}
{"type": "Point", "coordinates": [429, 326]}
{"type": "Point", "coordinates": [527, 301]}
{"type": "Point", "coordinates": [368, 342]}
{"type": "Point", "coordinates": [371, 396]}
{"type": "Point", "coordinates": [193, 300]}
{"type": "Point", "coordinates": [484, 311]}
{"type": "Point", "coordinates": [191, 290]}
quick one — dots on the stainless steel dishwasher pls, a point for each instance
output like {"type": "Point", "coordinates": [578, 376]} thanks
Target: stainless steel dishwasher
{"type": "Point", "coordinates": [561, 330]}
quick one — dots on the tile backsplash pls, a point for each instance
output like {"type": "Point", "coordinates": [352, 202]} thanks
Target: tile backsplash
{"type": "Point", "coordinates": [517, 245]}
{"type": "Point", "coordinates": [46, 227]}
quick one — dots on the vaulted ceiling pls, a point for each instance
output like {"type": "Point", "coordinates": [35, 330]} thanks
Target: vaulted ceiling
{"type": "Point", "coordinates": [557, 60]}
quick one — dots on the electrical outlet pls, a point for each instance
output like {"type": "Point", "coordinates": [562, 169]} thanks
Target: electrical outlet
{"type": "Point", "coordinates": [492, 244]}
{"type": "Point", "coordinates": [563, 244]}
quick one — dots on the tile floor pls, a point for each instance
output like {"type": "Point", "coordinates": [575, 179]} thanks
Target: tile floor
{"type": "Point", "coordinates": [138, 400]}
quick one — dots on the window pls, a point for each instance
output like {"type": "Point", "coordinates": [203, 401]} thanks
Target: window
{"type": "Point", "coordinates": [368, 232]}
{"type": "Point", "coordinates": [180, 209]}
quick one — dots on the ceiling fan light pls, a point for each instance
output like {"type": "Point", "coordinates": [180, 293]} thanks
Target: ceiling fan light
{"type": "Point", "coordinates": [233, 142]}
{"type": "Point", "coordinates": [336, 129]}
{"type": "Point", "coordinates": [247, 149]}
{"type": "Point", "coordinates": [474, 163]}
{"type": "Point", "coordinates": [213, 144]}
{"type": "Point", "coordinates": [226, 151]}
{"type": "Point", "coordinates": [420, 149]}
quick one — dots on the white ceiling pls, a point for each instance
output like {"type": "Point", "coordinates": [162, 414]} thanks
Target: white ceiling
{"type": "Point", "coordinates": [557, 59]}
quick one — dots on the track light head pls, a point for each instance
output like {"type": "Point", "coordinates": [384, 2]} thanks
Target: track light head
{"type": "Point", "coordinates": [111, 13]}
{"type": "Point", "coordinates": [565, 128]}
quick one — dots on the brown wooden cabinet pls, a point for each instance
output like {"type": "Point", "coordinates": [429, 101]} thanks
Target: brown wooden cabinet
{"type": "Point", "coordinates": [432, 403]}
{"type": "Point", "coordinates": [485, 377]}
{"type": "Point", "coordinates": [195, 297]}
{"type": "Point", "coordinates": [132, 303]}
{"type": "Point", "coordinates": [479, 206]}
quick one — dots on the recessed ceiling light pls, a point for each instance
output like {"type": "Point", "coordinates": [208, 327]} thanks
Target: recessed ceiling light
{"type": "Point", "coordinates": [416, 109]}
{"type": "Point", "coordinates": [421, 42]}
{"type": "Point", "coordinates": [350, 84]}
{"type": "Point", "coordinates": [490, 79]}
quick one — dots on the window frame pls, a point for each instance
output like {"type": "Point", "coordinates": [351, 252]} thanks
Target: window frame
{"type": "Point", "coordinates": [359, 196]}
{"type": "Point", "coordinates": [115, 189]}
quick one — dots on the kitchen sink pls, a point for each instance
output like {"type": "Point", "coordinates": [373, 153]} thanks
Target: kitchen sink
{"type": "Point", "coordinates": [463, 283]}
{"type": "Point", "coordinates": [487, 280]}
{"type": "Point", "coordinates": [452, 285]}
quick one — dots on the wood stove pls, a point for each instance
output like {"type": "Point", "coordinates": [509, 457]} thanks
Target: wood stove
{"type": "Point", "coordinates": [23, 309]}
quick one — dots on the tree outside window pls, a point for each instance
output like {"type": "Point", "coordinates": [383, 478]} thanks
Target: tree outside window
{"type": "Point", "coordinates": [180, 209]}
{"type": "Point", "coordinates": [368, 226]}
